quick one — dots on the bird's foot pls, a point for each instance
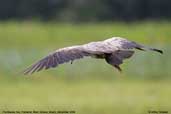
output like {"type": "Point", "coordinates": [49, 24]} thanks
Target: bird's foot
{"type": "Point", "coordinates": [117, 67]}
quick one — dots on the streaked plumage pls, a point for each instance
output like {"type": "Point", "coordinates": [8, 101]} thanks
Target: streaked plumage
{"type": "Point", "coordinates": [113, 50]}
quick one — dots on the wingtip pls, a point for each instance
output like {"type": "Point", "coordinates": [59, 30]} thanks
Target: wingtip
{"type": "Point", "coordinates": [157, 50]}
{"type": "Point", "coordinates": [26, 72]}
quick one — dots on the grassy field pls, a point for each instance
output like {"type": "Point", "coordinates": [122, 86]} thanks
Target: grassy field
{"type": "Point", "coordinates": [87, 97]}
{"type": "Point", "coordinates": [88, 86]}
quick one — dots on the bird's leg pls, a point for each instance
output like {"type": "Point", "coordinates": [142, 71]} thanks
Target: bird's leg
{"type": "Point", "coordinates": [117, 67]}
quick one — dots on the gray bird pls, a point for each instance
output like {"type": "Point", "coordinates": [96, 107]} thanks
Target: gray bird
{"type": "Point", "coordinates": [114, 50]}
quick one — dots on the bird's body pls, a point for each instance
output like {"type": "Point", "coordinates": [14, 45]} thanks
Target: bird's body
{"type": "Point", "coordinates": [114, 50]}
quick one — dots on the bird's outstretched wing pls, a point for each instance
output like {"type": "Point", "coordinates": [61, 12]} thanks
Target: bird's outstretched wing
{"type": "Point", "coordinates": [58, 57]}
{"type": "Point", "coordinates": [124, 44]}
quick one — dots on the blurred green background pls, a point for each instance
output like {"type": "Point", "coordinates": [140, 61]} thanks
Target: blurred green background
{"type": "Point", "coordinates": [30, 29]}
{"type": "Point", "coordinates": [89, 85]}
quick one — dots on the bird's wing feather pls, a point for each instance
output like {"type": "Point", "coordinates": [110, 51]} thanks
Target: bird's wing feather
{"type": "Point", "coordinates": [111, 45]}
{"type": "Point", "coordinates": [119, 43]}
{"type": "Point", "coordinates": [58, 57]}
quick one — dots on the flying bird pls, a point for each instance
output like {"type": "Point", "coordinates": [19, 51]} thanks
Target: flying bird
{"type": "Point", "coordinates": [113, 50]}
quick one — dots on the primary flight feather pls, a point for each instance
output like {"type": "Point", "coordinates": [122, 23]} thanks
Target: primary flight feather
{"type": "Point", "coordinates": [114, 50]}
